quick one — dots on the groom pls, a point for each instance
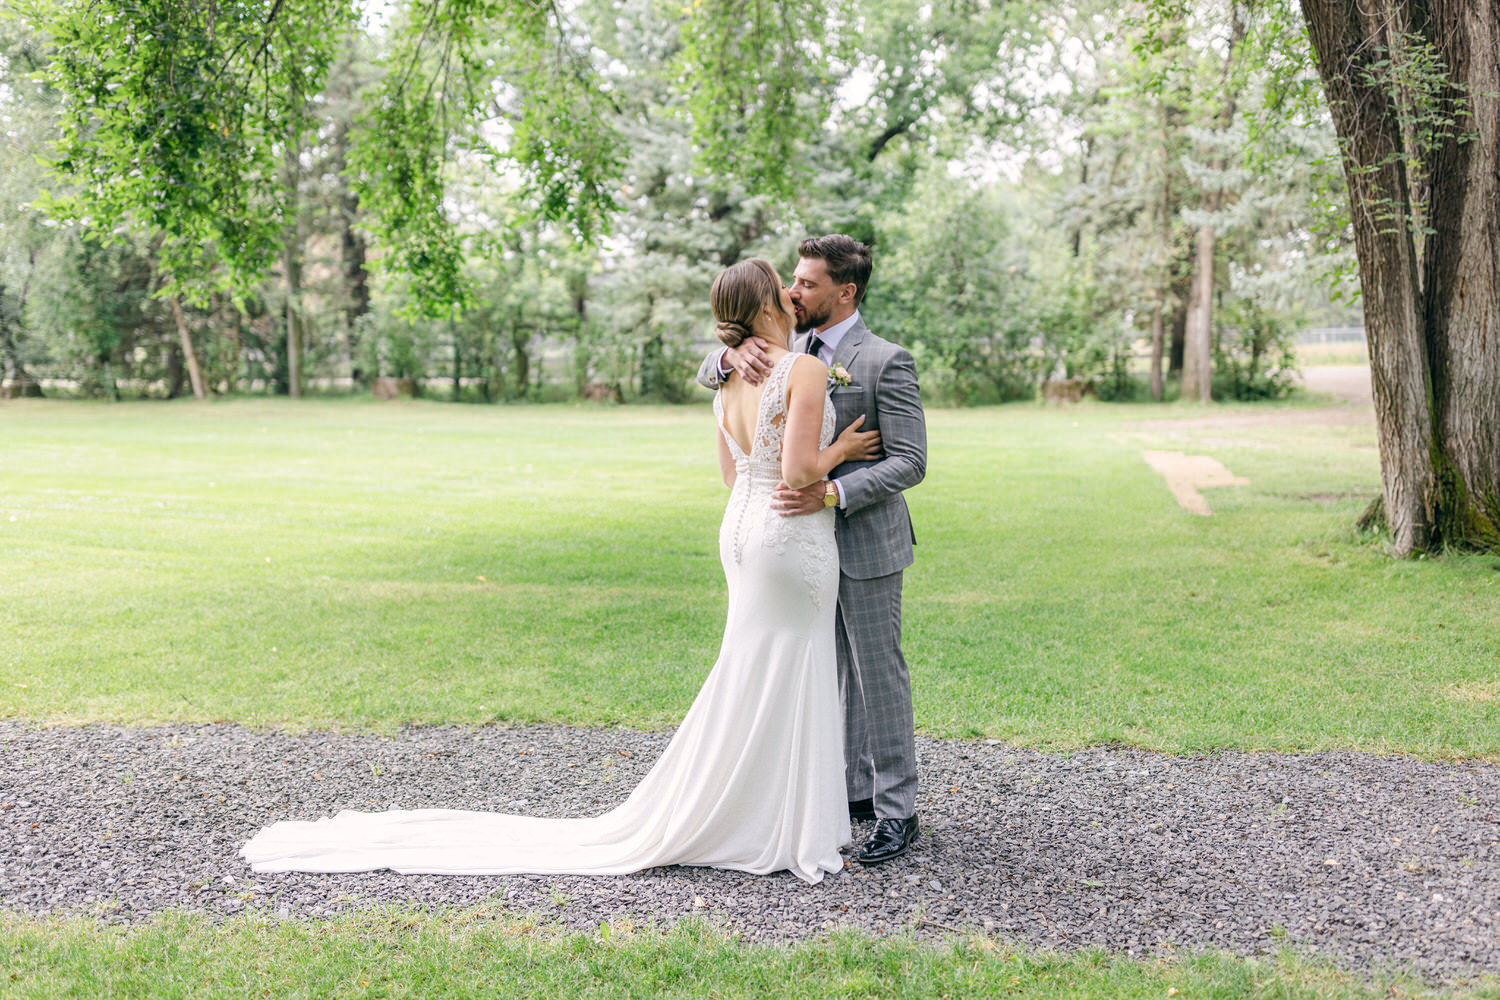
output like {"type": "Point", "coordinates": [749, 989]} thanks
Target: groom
{"type": "Point", "coordinates": [873, 528]}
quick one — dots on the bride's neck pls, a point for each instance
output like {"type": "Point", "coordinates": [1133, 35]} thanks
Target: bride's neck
{"type": "Point", "coordinates": [776, 339]}
{"type": "Point", "coordinates": [776, 352]}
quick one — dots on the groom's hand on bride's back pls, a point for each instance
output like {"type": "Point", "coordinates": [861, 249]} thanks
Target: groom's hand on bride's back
{"type": "Point", "coordinates": [749, 359]}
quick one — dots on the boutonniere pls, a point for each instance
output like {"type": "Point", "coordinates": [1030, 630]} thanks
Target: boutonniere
{"type": "Point", "coordinates": [838, 377]}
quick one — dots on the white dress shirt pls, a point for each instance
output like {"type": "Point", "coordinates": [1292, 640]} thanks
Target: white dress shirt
{"type": "Point", "coordinates": [831, 337]}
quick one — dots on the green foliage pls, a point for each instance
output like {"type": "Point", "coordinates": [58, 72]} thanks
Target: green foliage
{"type": "Point", "coordinates": [1252, 355]}
{"type": "Point", "coordinates": [402, 186]}
{"type": "Point", "coordinates": [745, 69]}
{"type": "Point", "coordinates": [1430, 108]}
{"type": "Point", "coordinates": [950, 289]}
{"type": "Point", "coordinates": [27, 240]}
{"type": "Point", "coordinates": [176, 116]}
{"type": "Point", "coordinates": [679, 225]}
{"type": "Point", "coordinates": [939, 76]}
{"type": "Point", "coordinates": [93, 305]}
{"type": "Point", "coordinates": [1078, 324]}
{"type": "Point", "coordinates": [438, 90]}
{"type": "Point", "coordinates": [473, 152]}
{"type": "Point", "coordinates": [531, 292]}
{"type": "Point", "coordinates": [391, 345]}
{"type": "Point", "coordinates": [1116, 383]}
{"type": "Point", "coordinates": [1174, 136]}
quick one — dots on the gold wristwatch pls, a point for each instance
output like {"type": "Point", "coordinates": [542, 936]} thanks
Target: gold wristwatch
{"type": "Point", "coordinates": [830, 494]}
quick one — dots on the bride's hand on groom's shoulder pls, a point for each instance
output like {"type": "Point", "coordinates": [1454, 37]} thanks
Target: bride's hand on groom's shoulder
{"type": "Point", "coordinates": [749, 359]}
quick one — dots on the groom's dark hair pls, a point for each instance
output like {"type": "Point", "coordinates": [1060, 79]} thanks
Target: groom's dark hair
{"type": "Point", "coordinates": [848, 260]}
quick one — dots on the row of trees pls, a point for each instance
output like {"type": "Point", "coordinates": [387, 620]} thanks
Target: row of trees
{"type": "Point", "coordinates": [265, 196]}
{"type": "Point", "coordinates": [1044, 186]}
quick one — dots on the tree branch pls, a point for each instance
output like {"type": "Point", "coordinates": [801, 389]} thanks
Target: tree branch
{"type": "Point", "coordinates": [900, 127]}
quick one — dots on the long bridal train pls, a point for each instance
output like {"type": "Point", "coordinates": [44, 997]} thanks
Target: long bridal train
{"type": "Point", "coordinates": [753, 780]}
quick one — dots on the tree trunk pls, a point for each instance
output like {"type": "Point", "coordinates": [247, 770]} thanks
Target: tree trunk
{"type": "Point", "coordinates": [291, 259]}
{"type": "Point", "coordinates": [458, 362]}
{"type": "Point", "coordinates": [352, 254]}
{"type": "Point", "coordinates": [185, 339]}
{"type": "Point", "coordinates": [1158, 341]}
{"type": "Point", "coordinates": [520, 342]}
{"type": "Point", "coordinates": [234, 348]}
{"type": "Point", "coordinates": [1461, 276]}
{"type": "Point", "coordinates": [578, 285]}
{"type": "Point", "coordinates": [293, 268]}
{"type": "Point", "coordinates": [173, 364]}
{"type": "Point", "coordinates": [1165, 212]}
{"type": "Point", "coordinates": [1181, 285]}
{"type": "Point", "coordinates": [1083, 180]}
{"type": "Point", "coordinates": [1197, 356]}
{"type": "Point", "coordinates": [1197, 361]}
{"type": "Point", "coordinates": [1349, 39]}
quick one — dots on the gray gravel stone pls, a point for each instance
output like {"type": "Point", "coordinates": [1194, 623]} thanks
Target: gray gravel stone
{"type": "Point", "coordinates": [1370, 861]}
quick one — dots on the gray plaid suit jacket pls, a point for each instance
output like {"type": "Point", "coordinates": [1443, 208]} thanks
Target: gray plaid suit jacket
{"type": "Point", "coordinates": [875, 535]}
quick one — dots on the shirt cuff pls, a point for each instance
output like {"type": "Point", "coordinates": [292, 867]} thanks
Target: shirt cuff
{"type": "Point", "coordinates": [840, 491]}
{"type": "Point", "coordinates": [719, 372]}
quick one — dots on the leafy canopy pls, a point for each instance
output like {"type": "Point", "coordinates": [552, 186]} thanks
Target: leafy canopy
{"type": "Point", "coordinates": [175, 114]}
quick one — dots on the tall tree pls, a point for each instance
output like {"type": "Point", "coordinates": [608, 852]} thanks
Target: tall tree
{"type": "Point", "coordinates": [1414, 88]}
{"type": "Point", "coordinates": [679, 221]}
{"type": "Point", "coordinates": [506, 81]}
{"type": "Point", "coordinates": [1188, 211]}
{"type": "Point", "coordinates": [950, 281]}
{"type": "Point", "coordinates": [179, 116]}
{"type": "Point", "coordinates": [347, 78]}
{"type": "Point", "coordinates": [26, 113]}
{"type": "Point", "coordinates": [1197, 363]}
{"type": "Point", "coordinates": [1124, 208]}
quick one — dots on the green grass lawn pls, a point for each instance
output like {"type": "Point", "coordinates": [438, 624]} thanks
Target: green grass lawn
{"type": "Point", "coordinates": [402, 954]}
{"type": "Point", "coordinates": [345, 563]}
{"type": "Point", "coordinates": [355, 564]}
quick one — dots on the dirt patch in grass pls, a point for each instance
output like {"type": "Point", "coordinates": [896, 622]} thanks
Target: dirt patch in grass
{"type": "Point", "coordinates": [1187, 474]}
{"type": "Point", "coordinates": [1348, 385]}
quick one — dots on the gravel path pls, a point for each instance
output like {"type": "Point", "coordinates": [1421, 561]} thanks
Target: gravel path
{"type": "Point", "coordinates": [1371, 861]}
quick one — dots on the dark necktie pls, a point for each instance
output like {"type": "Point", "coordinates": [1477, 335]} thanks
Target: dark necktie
{"type": "Point", "coordinates": [814, 345]}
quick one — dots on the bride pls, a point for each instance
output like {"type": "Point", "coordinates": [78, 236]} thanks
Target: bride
{"type": "Point", "coordinates": [753, 779]}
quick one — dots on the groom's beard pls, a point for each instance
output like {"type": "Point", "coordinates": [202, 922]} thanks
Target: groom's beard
{"type": "Point", "coordinates": [812, 321]}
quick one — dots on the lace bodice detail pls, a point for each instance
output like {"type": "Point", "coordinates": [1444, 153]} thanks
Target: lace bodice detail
{"type": "Point", "coordinates": [770, 426]}
{"type": "Point", "coordinates": [749, 522]}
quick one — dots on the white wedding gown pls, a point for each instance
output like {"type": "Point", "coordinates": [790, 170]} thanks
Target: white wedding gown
{"type": "Point", "coordinates": [752, 780]}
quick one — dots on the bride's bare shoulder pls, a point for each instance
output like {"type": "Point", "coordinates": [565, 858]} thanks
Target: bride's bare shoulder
{"type": "Point", "coordinates": [808, 370]}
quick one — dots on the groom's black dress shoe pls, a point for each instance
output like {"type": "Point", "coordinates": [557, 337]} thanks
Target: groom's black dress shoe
{"type": "Point", "coordinates": [861, 810]}
{"type": "Point", "coordinates": [890, 840]}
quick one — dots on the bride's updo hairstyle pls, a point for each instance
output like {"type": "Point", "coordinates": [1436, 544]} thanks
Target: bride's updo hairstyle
{"type": "Point", "coordinates": [739, 293]}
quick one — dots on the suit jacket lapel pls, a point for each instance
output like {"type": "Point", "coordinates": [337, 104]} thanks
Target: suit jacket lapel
{"type": "Point", "coordinates": [848, 348]}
